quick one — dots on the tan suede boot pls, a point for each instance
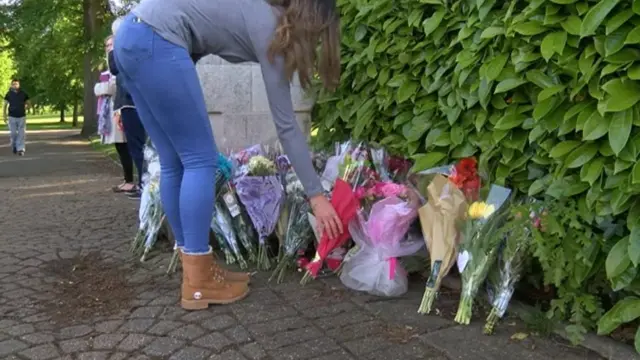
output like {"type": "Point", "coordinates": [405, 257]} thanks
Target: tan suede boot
{"type": "Point", "coordinates": [229, 275]}
{"type": "Point", "coordinates": [202, 285]}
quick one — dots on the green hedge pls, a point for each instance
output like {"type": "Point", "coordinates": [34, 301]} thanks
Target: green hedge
{"type": "Point", "coordinates": [544, 92]}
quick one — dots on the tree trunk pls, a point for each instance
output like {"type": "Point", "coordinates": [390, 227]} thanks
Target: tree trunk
{"type": "Point", "coordinates": [93, 13]}
{"type": "Point", "coordinates": [62, 114]}
{"type": "Point", "coordinates": [75, 113]}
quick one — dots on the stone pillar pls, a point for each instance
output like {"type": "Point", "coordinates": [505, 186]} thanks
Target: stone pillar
{"type": "Point", "coordinates": [237, 104]}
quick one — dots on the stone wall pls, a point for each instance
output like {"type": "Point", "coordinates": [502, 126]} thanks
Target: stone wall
{"type": "Point", "coordinates": [237, 103]}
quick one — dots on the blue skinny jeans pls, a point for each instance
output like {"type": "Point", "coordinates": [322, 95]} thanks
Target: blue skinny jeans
{"type": "Point", "coordinates": [165, 87]}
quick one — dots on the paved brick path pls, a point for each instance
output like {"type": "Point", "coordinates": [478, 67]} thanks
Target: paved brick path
{"type": "Point", "coordinates": [55, 203]}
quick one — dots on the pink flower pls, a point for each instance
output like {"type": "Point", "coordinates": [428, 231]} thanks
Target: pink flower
{"type": "Point", "coordinates": [389, 189]}
{"type": "Point", "coordinates": [360, 193]}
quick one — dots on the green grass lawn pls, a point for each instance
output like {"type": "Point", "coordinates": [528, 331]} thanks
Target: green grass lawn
{"type": "Point", "coordinates": [108, 149]}
{"type": "Point", "coordinates": [45, 122]}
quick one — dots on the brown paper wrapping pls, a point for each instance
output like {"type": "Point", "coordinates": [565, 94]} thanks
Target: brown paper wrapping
{"type": "Point", "coordinates": [438, 219]}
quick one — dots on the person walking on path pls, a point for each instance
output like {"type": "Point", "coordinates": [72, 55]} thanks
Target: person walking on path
{"type": "Point", "coordinates": [110, 125]}
{"type": "Point", "coordinates": [156, 48]}
{"type": "Point", "coordinates": [17, 102]}
{"type": "Point", "coordinates": [133, 128]}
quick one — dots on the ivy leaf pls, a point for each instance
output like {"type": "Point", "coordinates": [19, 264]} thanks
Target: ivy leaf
{"type": "Point", "coordinates": [623, 94]}
{"type": "Point", "coordinates": [508, 84]}
{"type": "Point", "coordinates": [553, 43]}
{"type": "Point", "coordinates": [596, 127]}
{"type": "Point", "coordinates": [618, 259]}
{"type": "Point", "coordinates": [634, 245]}
{"type": "Point", "coordinates": [620, 130]}
{"type": "Point", "coordinates": [582, 155]}
{"type": "Point", "coordinates": [432, 23]}
{"type": "Point", "coordinates": [624, 311]}
{"type": "Point", "coordinates": [427, 161]}
{"type": "Point", "coordinates": [596, 16]}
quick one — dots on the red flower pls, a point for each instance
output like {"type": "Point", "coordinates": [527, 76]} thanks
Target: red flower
{"type": "Point", "coordinates": [467, 166]}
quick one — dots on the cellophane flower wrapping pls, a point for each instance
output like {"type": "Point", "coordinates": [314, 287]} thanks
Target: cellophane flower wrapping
{"type": "Point", "coordinates": [374, 268]}
{"type": "Point", "coordinates": [240, 221]}
{"type": "Point", "coordinates": [298, 231]}
{"type": "Point", "coordinates": [223, 228]}
{"type": "Point", "coordinates": [479, 247]}
{"type": "Point", "coordinates": [503, 277]}
{"type": "Point", "coordinates": [151, 213]}
{"type": "Point", "coordinates": [286, 176]}
{"type": "Point", "coordinates": [261, 193]}
{"type": "Point", "coordinates": [438, 217]}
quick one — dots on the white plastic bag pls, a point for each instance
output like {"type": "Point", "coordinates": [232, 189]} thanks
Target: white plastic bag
{"type": "Point", "coordinates": [374, 268]}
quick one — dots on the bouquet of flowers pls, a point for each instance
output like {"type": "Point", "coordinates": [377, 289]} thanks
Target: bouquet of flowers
{"type": "Point", "coordinates": [446, 204]}
{"type": "Point", "coordinates": [517, 237]}
{"type": "Point", "coordinates": [151, 214]}
{"type": "Point", "coordinates": [283, 165]}
{"type": "Point", "coordinates": [479, 247]}
{"type": "Point", "coordinates": [223, 228]}
{"type": "Point", "coordinates": [260, 191]}
{"type": "Point", "coordinates": [438, 219]}
{"type": "Point", "coordinates": [353, 172]}
{"type": "Point", "coordinates": [298, 232]}
{"type": "Point", "coordinates": [378, 235]}
{"type": "Point", "coordinates": [244, 231]}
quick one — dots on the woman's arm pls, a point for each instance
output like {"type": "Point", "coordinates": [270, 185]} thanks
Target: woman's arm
{"type": "Point", "coordinates": [291, 137]}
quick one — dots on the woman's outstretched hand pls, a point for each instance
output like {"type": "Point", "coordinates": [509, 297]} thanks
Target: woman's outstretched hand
{"type": "Point", "coordinates": [326, 217]}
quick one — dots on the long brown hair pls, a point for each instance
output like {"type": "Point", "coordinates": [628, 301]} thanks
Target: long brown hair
{"type": "Point", "coordinates": [303, 24]}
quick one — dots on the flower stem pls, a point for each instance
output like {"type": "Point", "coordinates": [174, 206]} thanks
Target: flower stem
{"type": "Point", "coordinates": [428, 299]}
{"type": "Point", "coordinates": [263, 258]}
{"type": "Point", "coordinates": [173, 264]}
{"type": "Point", "coordinates": [463, 316]}
{"type": "Point", "coordinates": [491, 322]}
{"type": "Point", "coordinates": [306, 278]}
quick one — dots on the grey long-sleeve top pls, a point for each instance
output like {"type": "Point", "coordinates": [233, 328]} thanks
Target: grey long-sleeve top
{"type": "Point", "coordinates": [237, 31]}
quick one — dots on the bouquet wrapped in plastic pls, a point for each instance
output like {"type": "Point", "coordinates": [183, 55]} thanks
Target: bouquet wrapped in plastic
{"type": "Point", "coordinates": [374, 267]}
{"type": "Point", "coordinates": [240, 222]}
{"type": "Point", "coordinates": [298, 233]}
{"type": "Point", "coordinates": [151, 214]}
{"type": "Point", "coordinates": [479, 247]}
{"type": "Point", "coordinates": [517, 235]}
{"type": "Point", "coordinates": [260, 190]}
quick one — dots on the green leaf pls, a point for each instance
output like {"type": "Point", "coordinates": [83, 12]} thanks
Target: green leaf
{"type": "Point", "coordinates": [636, 9]}
{"type": "Point", "coordinates": [593, 170]}
{"type": "Point", "coordinates": [509, 121]}
{"type": "Point", "coordinates": [492, 32]}
{"type": "Point", "coordinates": [618, 259]}
{"type": "Point", "coordinates": [596, 127]}
{"type": "Point", "coordinates": [572, 25]}
{"type": "Point", "coordinates": [508, 84]}
{"type": "Point", "coordinates": [623, 94]}
{"type": "Point", "coordinates": [406, 90]}
{"type": "Point", "coordinates": [432, 23]}
{"type": "Point", "coordinates": [563, 148]}
{"type": "Point", "coordinates": [361, 32]}
{"type": "Point", "coordinates": [634, 72]}
{"type": "Point", "coordinates": [634, 245]}
{"type": "Point", "coordinates": [620, 130]}
{"type": "Point", "coordinates": [549, 92]}
{"type": "Point", "coordinates": [596, 16]}
{"type": "Point", "coordinates": [633, 37]}
{"type": "Point", "coordinates": [538, 186]}
{"type": "Point", "coordinates": [624, 311]}
{"type": "Point", "coordinates": [635, 174]}
{"type": "Point", "coordinates": [617, 20]}
{"type": "Point", "coordinates": [615, 41]}
{"type": "Point", "coordinates": [529, 28]}
{"type": "Point", "coordinates": [582, 155]}
{"type": "Point", "coordinates": [427, 161]}
{"type": "Point", "coordinates": [636, 341]}
{"type": "Point", "coordinates": [494, 66]}
{"type": "Point", "coordinates": [553, 43]}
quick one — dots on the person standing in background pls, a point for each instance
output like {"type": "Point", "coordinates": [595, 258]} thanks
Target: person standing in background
{"type": "Point", "coordinates": [133, 129]}
{"type": "Point", "coordinates": [110, 126]}
{"type": "Point", "coordinates": [16, 101]}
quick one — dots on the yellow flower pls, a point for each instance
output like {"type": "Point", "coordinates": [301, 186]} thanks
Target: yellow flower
{"type": "Point", "coordinates": [479, 210]}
